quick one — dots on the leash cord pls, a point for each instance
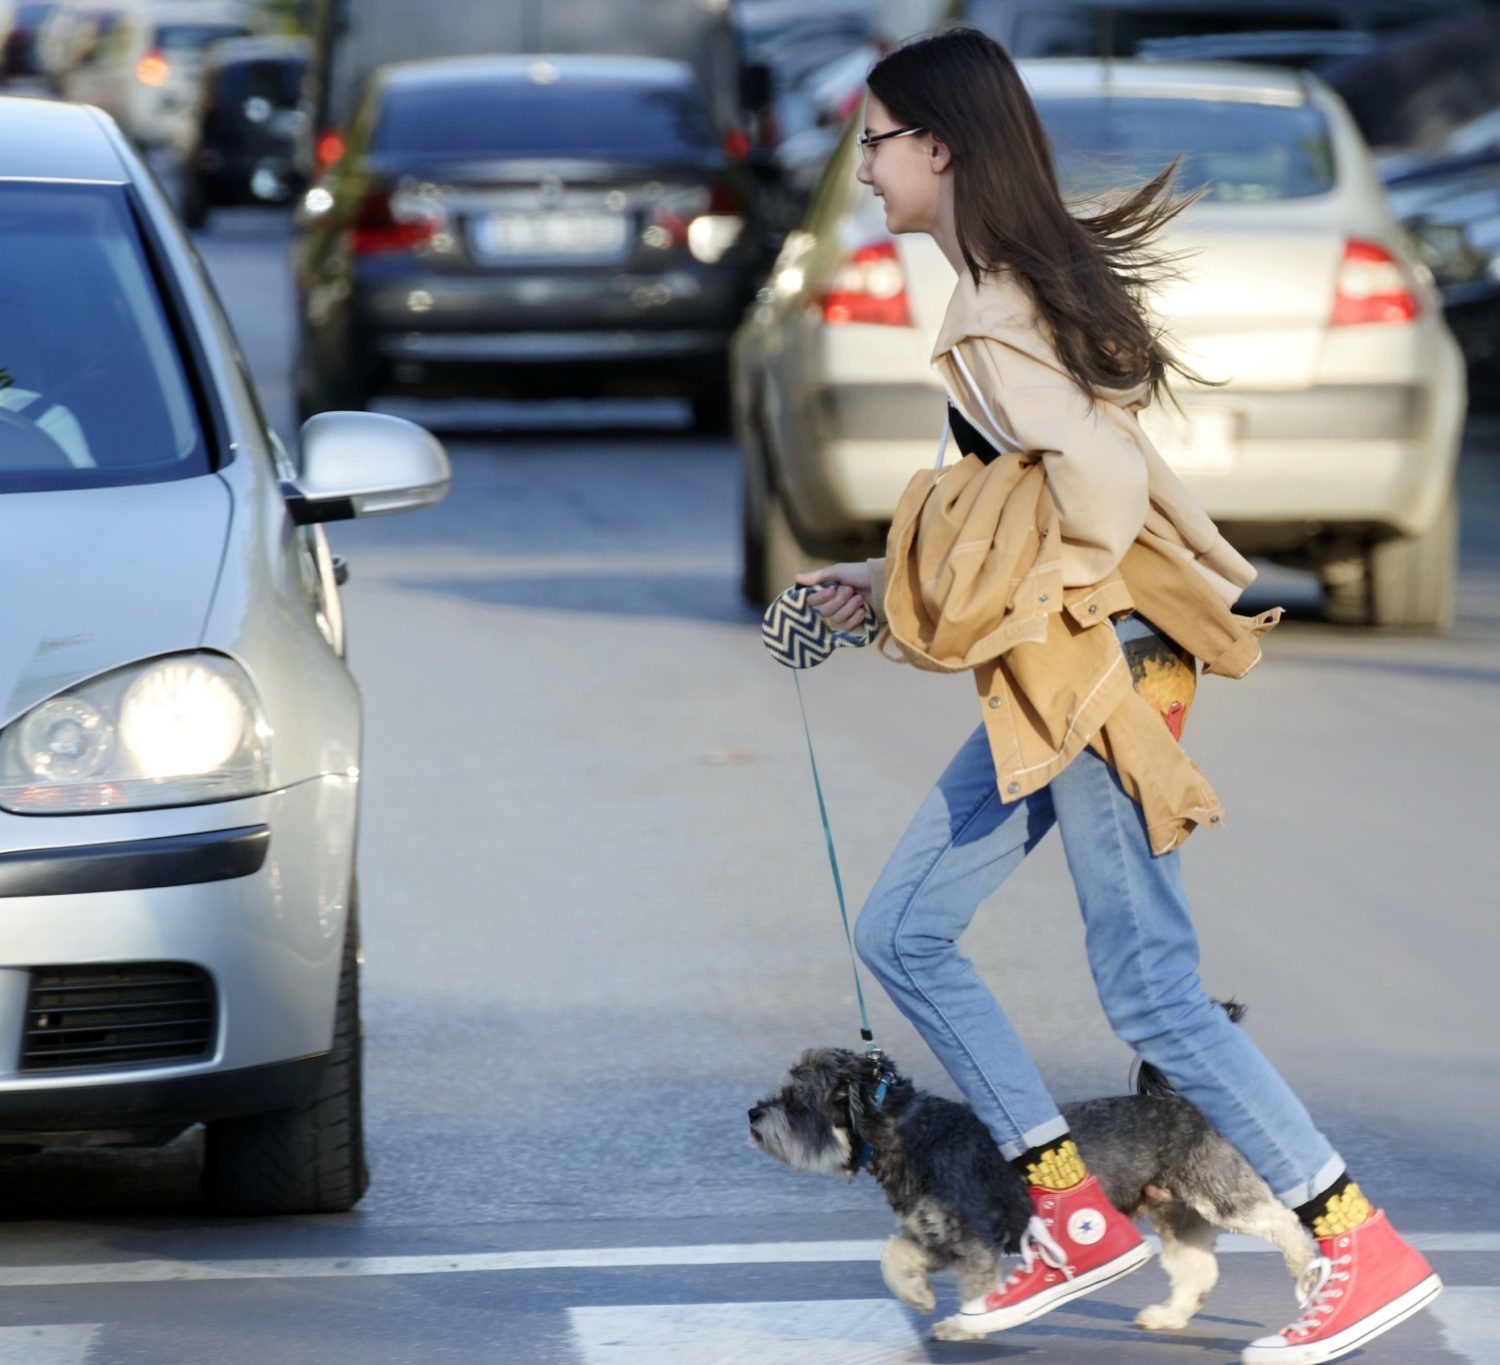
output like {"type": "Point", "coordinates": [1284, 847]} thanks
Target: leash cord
{"type": "Point", "coordinates": [838, 884]}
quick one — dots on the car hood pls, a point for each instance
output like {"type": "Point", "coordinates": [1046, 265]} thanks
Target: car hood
{"type": "Point", "coordinates": [101, 577]}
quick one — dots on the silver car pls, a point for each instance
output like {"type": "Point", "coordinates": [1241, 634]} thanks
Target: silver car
{"type": "Point", "coordinates": [179, 732]}
{"type": "Point", "coordinates": [1331, 439]}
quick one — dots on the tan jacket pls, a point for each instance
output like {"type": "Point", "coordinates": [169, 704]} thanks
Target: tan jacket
{"type": "Point", "coordinates": [995, 357]}
{"type": "Point", "coordinates": [983, 572]}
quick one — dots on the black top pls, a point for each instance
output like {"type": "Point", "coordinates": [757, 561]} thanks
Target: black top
{"type": "Point", "coordinates": [968, 438]}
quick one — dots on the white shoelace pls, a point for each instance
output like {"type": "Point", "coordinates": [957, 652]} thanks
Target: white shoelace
{"type": "Point", "coordinates": [1317, 1298]}
{"type": "Point", "coordinates": [1038, 1243]}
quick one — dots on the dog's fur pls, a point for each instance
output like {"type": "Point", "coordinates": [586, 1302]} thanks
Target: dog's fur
{"type": "Point", "coordinates": [959, 1204]}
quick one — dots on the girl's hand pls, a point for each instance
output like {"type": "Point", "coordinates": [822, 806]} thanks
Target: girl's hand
{"type": "Point", "coordinates": [844, 607]}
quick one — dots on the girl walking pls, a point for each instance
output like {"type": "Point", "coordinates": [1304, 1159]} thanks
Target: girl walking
{"type": "Point", "coordinates": [1065, 565]}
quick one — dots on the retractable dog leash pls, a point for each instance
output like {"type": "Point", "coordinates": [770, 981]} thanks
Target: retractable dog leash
{"type": "Point", "coordinates": [799, 636]}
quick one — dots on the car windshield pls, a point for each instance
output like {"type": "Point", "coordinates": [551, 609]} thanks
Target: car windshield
{"type": "Point", "coordinates": [1239, 152]}
{"type": "Point", "coordinates": [494, 117]}
{"type": "Point", "coordinates": [93, 391]}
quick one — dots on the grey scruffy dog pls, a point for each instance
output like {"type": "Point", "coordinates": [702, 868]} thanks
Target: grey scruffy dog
{"type": "Point", "coordinates": [960, 1204]}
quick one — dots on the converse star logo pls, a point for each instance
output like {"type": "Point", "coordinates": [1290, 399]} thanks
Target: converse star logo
{"type": "Point", "coordinates": [1085, 1227]}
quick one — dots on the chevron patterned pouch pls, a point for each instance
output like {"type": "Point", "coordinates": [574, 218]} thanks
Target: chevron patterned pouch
{"type": "Point", "coordinates": [800, 636]}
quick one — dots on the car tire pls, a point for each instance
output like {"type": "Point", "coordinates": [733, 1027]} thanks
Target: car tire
{"type": "Point", "coordinates": [712, 410]}
{"type": "Point", "coordinates": [311, 1158]}
{"type": "Point", "coordinates": [194, 210]}
{"type": "Point", "coordinates": [1404, 583]}
{"type": "Point", "coordinates": [1413, 579]}
{"type": "Point", "coordinates": [771, 554]}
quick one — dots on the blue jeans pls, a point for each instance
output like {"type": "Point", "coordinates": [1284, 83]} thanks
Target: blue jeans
{"type": "Point", "coordinates": [1142, 950]}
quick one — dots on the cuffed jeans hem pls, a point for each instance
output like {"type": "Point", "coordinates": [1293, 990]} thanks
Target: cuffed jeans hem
{"type": "Point", "coordinates": [1308, 1190]}
{"type": "Point", "coordinates": [1039, 1136]}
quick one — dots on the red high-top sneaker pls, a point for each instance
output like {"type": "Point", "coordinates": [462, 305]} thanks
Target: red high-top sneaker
{"type": "Point", "coordinates": [1076, 1242]}
{"type": "Point", "coordinates": [1366, 1281]}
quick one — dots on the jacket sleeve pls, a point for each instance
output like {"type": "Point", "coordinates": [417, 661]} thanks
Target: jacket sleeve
{"type": "Point", "coordinates": [1097, 476]}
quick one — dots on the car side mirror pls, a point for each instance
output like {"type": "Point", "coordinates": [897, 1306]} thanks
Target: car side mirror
{"type": "Point", "coordinates": [365, 464]}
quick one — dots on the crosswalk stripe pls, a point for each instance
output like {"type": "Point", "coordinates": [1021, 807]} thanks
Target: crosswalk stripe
{"type": "Point", "coordinates": [582, 1258]}
{"type": "Point", "coordinates": [1470, 1318]}
{"type": "Point", "coordinates": [829, 1331]}
{"type": "Point", "coordinates": [63, 1344]}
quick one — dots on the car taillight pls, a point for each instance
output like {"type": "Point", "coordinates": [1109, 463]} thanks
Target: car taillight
{"type": "Point", "coordinates": [870, 286]}
{"type": "Point", "coordinates": [329, 148]}
{"type": "Point", "coordinates": [152, 69]}
{"type": "Point", "coordinates": [1371, 287]}
{"type": "Point", "coordinates": [707, 222]}
{"type": "Point", "coordinates": [385, 224]}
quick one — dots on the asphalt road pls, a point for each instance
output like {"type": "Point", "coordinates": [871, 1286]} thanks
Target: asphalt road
{"type": "Point", "coordinates": [598, 924]}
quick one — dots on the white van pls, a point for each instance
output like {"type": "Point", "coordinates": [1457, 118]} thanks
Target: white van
{"type": "Point", "coordinates": [145, 69]}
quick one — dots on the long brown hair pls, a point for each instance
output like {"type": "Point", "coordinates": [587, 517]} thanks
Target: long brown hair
{"type": "Point", "coordinates": [1087, 274]}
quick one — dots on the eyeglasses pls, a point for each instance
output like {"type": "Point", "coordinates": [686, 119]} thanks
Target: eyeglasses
{"type": "Point", "coordinates": [868, 140]}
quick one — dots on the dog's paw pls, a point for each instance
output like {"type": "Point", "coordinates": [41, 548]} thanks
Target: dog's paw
{"type": "Point", "coordinates": [919, 1296]}
{"type": "Point", "coordinates": [955, 1329]}
{"type": "Point", "coordinates": [1159, 1317]}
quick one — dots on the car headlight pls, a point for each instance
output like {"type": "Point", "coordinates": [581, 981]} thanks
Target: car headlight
{"type": "Point", "coordinates": [172, 731]}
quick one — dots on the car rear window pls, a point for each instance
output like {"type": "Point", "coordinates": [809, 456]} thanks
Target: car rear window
{"type": "Point", "coordinates": [194, 37]}
{"type": "Point", "coordinates": [93, 390]}
{"type": "Point", "coordinates": [278, 80]}
{"type": "Point", "coordinates": [470, 118]}
{"type": "Point", "coordinates": [1239, 152]}
{"type": "Point", "coordinates": [1061, 28]}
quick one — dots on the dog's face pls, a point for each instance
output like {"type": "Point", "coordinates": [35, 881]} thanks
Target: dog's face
{"type": "Point", "coordinates": [808, 1123]}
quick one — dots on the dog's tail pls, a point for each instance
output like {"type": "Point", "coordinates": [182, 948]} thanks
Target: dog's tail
{"type": "Point", "coordinates": [1149, 1080]}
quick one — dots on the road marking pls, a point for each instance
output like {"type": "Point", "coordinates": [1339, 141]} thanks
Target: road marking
{"type": "Point", "coordinates": [1470, 1319]}
{"type": "Point", "coordinates": [584, 1258]}
{"type": "Point", "coordinates": [831, 1332]}
{"type": "Point", "coordinates": [59, 1345]}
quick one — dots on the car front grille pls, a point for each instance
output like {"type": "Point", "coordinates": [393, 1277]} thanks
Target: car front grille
{"type": "Point", "coordinates": [131, 1014]}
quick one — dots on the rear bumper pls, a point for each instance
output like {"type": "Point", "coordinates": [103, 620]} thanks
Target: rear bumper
{"type": "Point", "coordinates": [553, 364]}
{"type": "Point", "coordinates": [1359, 460]}
{"type": "Point", "coordinates": [563, 334]}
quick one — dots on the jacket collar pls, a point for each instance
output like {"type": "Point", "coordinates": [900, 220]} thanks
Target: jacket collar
{"type": "Point", "coordinates": [1000, 308]}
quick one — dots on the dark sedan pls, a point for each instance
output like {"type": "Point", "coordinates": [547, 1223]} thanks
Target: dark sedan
{"type": "Point", "coordinates": [527, 226]}
{"type": "Point", "coordinates": [243, 146]}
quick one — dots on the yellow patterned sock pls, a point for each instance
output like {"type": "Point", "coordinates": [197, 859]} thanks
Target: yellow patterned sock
{"type": "Point", "coordinates": [1055, 1166]}
{"type": "Point", "coordinates": [1336, 1210]}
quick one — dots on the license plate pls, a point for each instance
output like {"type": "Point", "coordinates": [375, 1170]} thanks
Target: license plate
{"type": "Point", "coordinates": [503, 236]}
{"type": "Point", "coordinates": [1204, 440]}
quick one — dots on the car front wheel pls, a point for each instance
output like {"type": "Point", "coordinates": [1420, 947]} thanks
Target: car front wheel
{"type": "Point", "coordinates": [309, 1159]}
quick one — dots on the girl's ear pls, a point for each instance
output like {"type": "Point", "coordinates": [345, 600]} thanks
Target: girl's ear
{"type": "Point", "coordinates": [939, 158]}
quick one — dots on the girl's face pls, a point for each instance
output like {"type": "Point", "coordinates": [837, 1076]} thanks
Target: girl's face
{"type": "Point", "coordinates": [906, 173]}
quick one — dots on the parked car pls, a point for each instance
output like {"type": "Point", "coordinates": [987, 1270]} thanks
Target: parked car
{"type": "Point", "coordinates": [527, 226]}
{"type": "Point", "coordinates": [144, 70]}
{"type": "Point", "coordinates": [243, 146]}
{"type": "Point", "coordinates": [18, 54]}
{"type": "Point", "coordinates": [1451, 206]}
{"type": "Point", "coordinates": [1118, 28]}
{"type": "Point", "coordinates": [69, 36]}
{"type": "Point", "coordinates": [180, 735]}
{"type": "Point", "coordinates": [1333, 440]}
